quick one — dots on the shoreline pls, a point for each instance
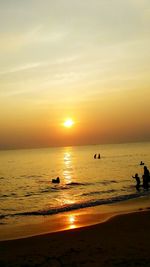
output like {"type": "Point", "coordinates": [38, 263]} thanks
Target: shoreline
{"type": "Point", "coordinates": [123, 240]}
{"type": "Point", "coordinates": [71, 220]}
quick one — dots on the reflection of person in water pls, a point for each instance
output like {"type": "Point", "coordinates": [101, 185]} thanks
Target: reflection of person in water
{"type": "Point", "coordinates": [137, 178]}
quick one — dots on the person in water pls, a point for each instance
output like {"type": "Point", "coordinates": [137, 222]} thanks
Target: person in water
{"type": "Point", "coordinates": [137, 178]}
{"type": "Point", "coordinates": [146, 178]}
{"type": "Point", "coordinates": [146, 172]}
{"type": "Point", "coordinates": [56, 181]}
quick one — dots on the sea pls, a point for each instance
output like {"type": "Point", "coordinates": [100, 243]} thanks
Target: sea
{"type": "Point", "coordinates": [26, 187]}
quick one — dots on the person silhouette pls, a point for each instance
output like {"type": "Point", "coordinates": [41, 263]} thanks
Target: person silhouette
{"type": "Point", "coordinates": [95, 156]}
{"type": "Point", "coordinates": [146, 172]}
{"type": "Point", "coordinates": [99, 156]}
{"type": "Point", "coordinates": [146, 178]}
{"type": "Point", "coordinates": [138, 182]}
{"type": "Point", "coordinates": [56, 181]}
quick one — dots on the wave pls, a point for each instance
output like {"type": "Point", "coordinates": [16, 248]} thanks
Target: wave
{"type": "Point", "coordinates": [76, 206]}
{"type": "Point", "coordinates": [2, 216]}
{"type": "Point", "coordinates": [59, 187]}
{"type": "Point", "coordinates": [107, 182]}
{"type": "Point", "coordinates": [99, 192]}
{"type": "Point", "coordinates": [8, 195]}
{"type": "Point", "coordinates": [76, 183]}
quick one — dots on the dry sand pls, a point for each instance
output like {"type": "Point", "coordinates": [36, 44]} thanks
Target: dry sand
{"type": "Point", "coordinates": [123, 240]}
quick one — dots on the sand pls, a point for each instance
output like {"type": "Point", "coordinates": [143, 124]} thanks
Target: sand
{"type": "Point", "coordinates": [121, 241]}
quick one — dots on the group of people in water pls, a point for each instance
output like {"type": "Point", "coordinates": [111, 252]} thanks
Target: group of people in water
{"type": "Point", "coordinates": [97, 156]}
{"type": "Point", "coordinates": [145, 178]}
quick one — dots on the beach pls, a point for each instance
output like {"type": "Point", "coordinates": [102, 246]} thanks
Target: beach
{"type": "Point", "coordinates": [94, 217]}
{"type": "Point", "coordinates": [74, 133]}
{"type": "Point", "coordinates": [122, 240]}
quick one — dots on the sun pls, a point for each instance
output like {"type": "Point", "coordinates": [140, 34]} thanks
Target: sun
{"type": "Point", "coordinates": [68, 123]}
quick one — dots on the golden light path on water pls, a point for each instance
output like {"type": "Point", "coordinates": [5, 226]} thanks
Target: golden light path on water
{"type": "Point", "coordinates": [67, 198]}
{"type": "Point", "coordinates": [67, 167]}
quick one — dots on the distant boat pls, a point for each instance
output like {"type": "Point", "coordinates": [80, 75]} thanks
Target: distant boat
{"type": "Point", "coordinates": [141, 163]}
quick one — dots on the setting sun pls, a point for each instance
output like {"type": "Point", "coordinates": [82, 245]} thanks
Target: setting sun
{"type": "Point", "coordinates": [68, 123]}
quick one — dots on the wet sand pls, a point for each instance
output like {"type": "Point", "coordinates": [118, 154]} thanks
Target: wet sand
{"type": "Point", "coordinates": [38, 225]}
{"type": "Point", "coordinates": [120, 241]}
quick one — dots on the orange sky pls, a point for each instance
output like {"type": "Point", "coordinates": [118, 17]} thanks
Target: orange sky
{"type": "Point", "coordinates": [87, 60]}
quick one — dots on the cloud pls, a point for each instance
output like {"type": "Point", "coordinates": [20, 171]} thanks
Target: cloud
{"type": "Point", "coordinates": [21, 68]}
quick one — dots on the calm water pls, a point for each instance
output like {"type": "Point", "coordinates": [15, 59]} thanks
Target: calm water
{"type": "Point", "coordinates": [25, 178]}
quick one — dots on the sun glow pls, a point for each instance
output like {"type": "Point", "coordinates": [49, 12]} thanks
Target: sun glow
{"type": "Point", "coordinates": [68, 123]}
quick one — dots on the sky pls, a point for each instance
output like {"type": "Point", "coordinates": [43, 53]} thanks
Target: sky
{"type": "Point", "coordinates": [88, 60]}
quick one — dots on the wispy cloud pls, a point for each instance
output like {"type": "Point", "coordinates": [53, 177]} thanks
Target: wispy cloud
{"type": "Point", "coordinates": [38, 35]}
{"type": "Point", "coordinates": [22, 68]}
{"type": "Point", "coordinates": [43, 64]}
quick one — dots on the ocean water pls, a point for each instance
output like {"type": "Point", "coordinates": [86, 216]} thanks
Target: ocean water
{"type": "Point", "coordinates": [26, 187]}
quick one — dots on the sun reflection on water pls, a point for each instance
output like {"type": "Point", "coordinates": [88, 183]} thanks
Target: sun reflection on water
{"type": "Point", "coordinates": [72, 220]}
{"type": "Point", "coordinates": [67, 195]}
{"type": "Point", "coordinates": [67, 167]}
